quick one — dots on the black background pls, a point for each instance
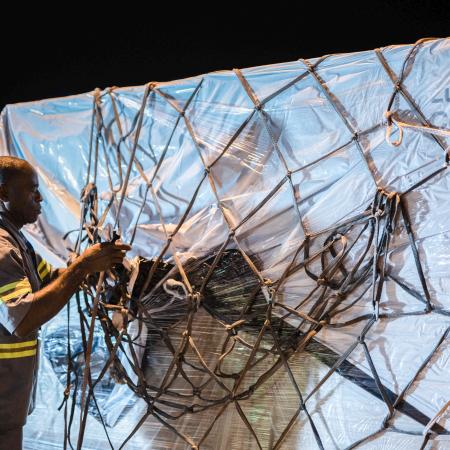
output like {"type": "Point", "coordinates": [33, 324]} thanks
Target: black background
{"type": "Point", "coordinates": [46, 55]}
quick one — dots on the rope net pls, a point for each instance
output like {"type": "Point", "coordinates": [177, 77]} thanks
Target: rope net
{"type": "Point", "coordinates": [279, 285]}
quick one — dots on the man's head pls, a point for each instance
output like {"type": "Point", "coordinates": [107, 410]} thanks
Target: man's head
{"type": "Point", "coordinates": [19, 190]}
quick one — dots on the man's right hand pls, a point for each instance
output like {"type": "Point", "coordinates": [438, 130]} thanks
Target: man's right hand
{"type": "Point", "coordinates": [102, 256]}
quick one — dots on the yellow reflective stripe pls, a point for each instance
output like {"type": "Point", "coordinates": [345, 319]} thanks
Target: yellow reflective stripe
{"type": "Point", "coordinates": [18, 344]}
{"type": "Point", "coordinates": [16, 293]}
{"type": "Point", "coordinates": [8, 287]}
{"type": "Point", "coordinates": [44, 274]}
{"type": "Point", "coordinates": [23, 283]}
{"type": "Point", "coordinates": [41, 265]}
{"type": "Point", "coordinates": [25, 353]}
{"type": "Point", "coordinates": [44, 269]}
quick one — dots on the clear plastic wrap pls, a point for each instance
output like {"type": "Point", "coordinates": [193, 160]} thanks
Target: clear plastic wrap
{"type": "Point", "coordinates": [272, 183]}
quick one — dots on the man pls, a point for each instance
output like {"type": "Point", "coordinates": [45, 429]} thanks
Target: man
{"type": "Point", "coordinates": [31, 292]}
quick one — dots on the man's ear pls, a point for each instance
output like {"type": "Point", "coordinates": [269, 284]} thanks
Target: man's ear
{"type": "Point", "coordinates": [4, 193]}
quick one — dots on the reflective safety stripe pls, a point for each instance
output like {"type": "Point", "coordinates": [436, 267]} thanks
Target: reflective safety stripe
{"type": "Point", "coordinates": [44, 269]}
{"type": "Point", "coordinates": [15, 289]}
{"type": "Point", "coordinates": [15, 294]}
{"type": "Point", "coordinates": [18, 344]}
{"type": "Point", "coordinates": [22, 354]}
{"type": "Point", "coordinates": [8, 287]}
{"type": "Point", "coordinates": [18, 349]}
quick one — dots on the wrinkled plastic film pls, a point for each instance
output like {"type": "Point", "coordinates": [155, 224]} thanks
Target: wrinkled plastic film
{"type": "Point", "coordinates": [310, 158]}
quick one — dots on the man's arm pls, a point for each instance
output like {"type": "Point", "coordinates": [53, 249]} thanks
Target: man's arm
{"type": "Point", "coordinates": [57, 273]}
{"type": "Point", "coordinates": [51, 299]}
{"type": "Point", "coordinates": [48, 301]}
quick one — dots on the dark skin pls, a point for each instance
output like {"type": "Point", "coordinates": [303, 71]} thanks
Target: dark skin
{"type": "Point", "coordinates": [22, 200]}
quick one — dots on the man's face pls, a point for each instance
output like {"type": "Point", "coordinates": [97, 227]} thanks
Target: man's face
{"type": "Point", "coordinates": [23, 197]}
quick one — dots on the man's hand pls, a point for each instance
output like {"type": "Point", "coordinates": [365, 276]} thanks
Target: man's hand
{"type": "Point", "coordinates": [103, 256]}
{"type": "Point", "coordinates": [49, 300]}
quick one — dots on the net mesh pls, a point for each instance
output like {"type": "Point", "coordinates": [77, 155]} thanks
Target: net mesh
{"type": "Point", "coordinates": [257, 334]}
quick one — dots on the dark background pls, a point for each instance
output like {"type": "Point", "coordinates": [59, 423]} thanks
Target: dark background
{"type": "Point", "coordinates": [129, 44]}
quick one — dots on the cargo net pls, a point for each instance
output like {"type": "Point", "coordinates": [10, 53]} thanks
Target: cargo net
{"type": "Point", "coordinates": [259, 332]}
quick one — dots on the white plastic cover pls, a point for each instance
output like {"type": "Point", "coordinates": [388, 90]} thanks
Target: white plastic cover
{"type": "Point", "coordinates": [321, 122]}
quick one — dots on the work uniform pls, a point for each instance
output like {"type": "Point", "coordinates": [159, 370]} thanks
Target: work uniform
{"type": "Point", "coordinates": [22, 272]}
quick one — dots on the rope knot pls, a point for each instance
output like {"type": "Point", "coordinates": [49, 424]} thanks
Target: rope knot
{"type": "Point", "coordinates": [378, 213]}
{"type": "Point", "coordinates": [390, 121]}
{"type": "Point", "coordinates": [171, 285]}
{"type": "Point", "coordinates": [196, 298]}
{"type": "Point", "coordinates": [391, 195]}
{"type": "Point", "coordinates": [67, 391]}
{"type": "Point", "coordinates": [388, 115]}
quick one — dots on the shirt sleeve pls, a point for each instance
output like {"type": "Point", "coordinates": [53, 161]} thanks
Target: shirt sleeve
{"type": "Point", "coordinates": [15, 289]}
{"type": "Point", "coordinates": [45, 269]}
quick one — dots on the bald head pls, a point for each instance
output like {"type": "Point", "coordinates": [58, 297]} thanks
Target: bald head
{"type": "Point", "coordinates": [19, 190]}
{"type": "Point", "coordinates": [12, 167]}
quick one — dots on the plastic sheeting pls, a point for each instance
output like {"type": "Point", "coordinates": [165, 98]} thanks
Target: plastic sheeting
{"type": "Point", "coordinates": [323, 124]}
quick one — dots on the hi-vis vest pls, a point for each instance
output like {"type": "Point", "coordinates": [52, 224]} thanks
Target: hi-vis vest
{"type": "Point", "coordinates": [22, 272]}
